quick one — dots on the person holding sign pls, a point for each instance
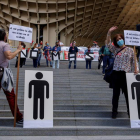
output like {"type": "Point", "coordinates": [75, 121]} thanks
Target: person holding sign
{"type": "Point", "coordinates": [39, 52]}
{"type": "Point", "coordinates": [5, 56]}
{"type": "Point", "coordinates": [47, 51]}
{"type": "Point", "coordinates": [88, 62]}
{"type": "Point", "coordinates": [73, 49]}
{"type": "Point", "coordinates": [22, 60]}
{"type": "Point", "coordinates": [56, 50]}
{"type": "Point", "coordinates": [35, 60]}
{"type": "Point", "coordinates": [124, 63]}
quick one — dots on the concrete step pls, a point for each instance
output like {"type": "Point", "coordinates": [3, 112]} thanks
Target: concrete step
{"type": "Point", "coordinates": [74, 121]}
{"type": "Point", "coordinates": [75, 113]}
{"type": "Point", "coordinates": [72, 107]}
{"type": "Point", "coordinates": [71, 131]}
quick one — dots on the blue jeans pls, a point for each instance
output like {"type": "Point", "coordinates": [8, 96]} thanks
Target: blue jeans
{"type": "Point", "coordinates": [39, 58]}
{"type": "Point", "coordinates": [74, 64]}
{"type": "Point", "coordinates": [35, 63]}
{"type": "Point", "coordinates": [88, 62]}
{"type": "Point", "coordinates": [48, 61]}
{"type": "Point", "coordinates": [57, 61]}
{"type": "Point", "coordinates": [106, 61]}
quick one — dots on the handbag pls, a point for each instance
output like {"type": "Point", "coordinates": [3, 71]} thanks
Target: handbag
{"type": "Point", "coordinates": [109, 70]}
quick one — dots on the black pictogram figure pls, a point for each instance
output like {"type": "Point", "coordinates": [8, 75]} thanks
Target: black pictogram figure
{"type": "Point", "coordinates": [136, 85]}
{"type": "Point", "coordinates": [38, 94]}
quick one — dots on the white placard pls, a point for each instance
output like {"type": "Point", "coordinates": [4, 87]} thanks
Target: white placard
{"type": "Point", "coordinates": [38, 99]}
{"type": "Point", "coordinates": [72, 59]}
{"type": "Point", "coordinates": [34, 54]}
{"type": "Point", "coordinates": [133, 85]}
{"type": "Point", "coordinates": [23, 53]}
{"type": "Point", "coordinates": [132, 38]}
{"type": "Point", "coordinates": [55, 57]}
{"type": "Point", "coordinates": [72, 55]}
{"type": "Point", "coordinates": [87, 57]}
{"type": "Point", "coordinates": [20, 33]}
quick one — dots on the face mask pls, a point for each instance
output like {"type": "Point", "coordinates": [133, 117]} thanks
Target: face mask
{"type": "Point", "coordinates": [36, 45]}
{"type": "Point", "coordinates": [41, 43]}
{"type": "Point", "coordinates": [120, 42]}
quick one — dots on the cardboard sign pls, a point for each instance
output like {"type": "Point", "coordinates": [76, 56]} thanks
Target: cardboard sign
{"type": "Point", "coordinates": [20, 33]}
{"type": "Point", "coordinates": [133, 85]}
{"type": "Point", "coordinates": [55, 56]}
{"type": "Point", "coordinates": [132, 38]}
{"type": "Point", "coordinates": [89, 56]}
{"type": "Point", "coordinates": [38, 99]}
{"type": "Point", "coordinates": [72, 56]}
{"type": "Point", "coordinates": [24, 54]}
{"type": "Point", "coordinates": [34, 54]}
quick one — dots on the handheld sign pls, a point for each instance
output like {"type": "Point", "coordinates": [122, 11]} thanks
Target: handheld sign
{"type": "Point", "coordinates": [20, 33]}
{"type": "Point", "coordinates": [72, 56]}
{"type": "Point", "coordinates": [132, 38]}
{"type": "Point", "coordinates": [24, 34]}
{"type": "Point", "coordinates": [24, 53]}
{"type": "Point", "coordinates": [55, 56]}
{"type": "Point", "coordinates": [34, 54]}
{"type": "Point", "coordinates": [89, 56]}
{"type": "Point", "coordinates": [38, 99]}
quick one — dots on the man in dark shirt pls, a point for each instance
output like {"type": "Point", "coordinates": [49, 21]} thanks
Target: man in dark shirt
{"type": "Point", "coordinates": [73, 49]}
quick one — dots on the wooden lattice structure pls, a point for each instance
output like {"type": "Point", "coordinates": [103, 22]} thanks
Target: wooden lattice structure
{"type": "Point", "coordinates": [81, 20]}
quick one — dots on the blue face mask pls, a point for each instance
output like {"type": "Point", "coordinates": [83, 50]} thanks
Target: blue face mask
{"type": "Point", "coordinates": [120, 42]}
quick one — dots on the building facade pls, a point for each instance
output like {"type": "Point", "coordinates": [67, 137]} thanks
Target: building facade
{"type": "Point", "coordinates": [84, 21]}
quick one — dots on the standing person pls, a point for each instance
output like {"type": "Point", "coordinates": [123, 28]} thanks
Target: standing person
{"type": "Point", "coordinates": [105, 54]}
{"type": "Point", "coordinates": [73, 49]}
{"type": "Point", "coordinates": [35, 60]}
{"type": "Point", "coordinates": [22, 60]}
{"type": "Point", "coordinates": [39, 52]}
{"type": "Point", "coordinates": [5, 56]}
{"type": "Point", "coordinates": [88, 62]}
{"type": "Point", "coordinates": [124, 63]}
{"type": "Point", "coordinates": [47, 51]}
{"type": "Point", "coordinates": [61, 44]}
{"type": "Point", "coordinates": [57, 49]}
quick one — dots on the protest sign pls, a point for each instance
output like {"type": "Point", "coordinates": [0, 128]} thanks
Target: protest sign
{"type": "Point", "coordinates": [20, 33]}
{"type": "Point", "coordinates": [132, 38]}
{"type": "Point", "coordinates": [80, 55]}
{"type": "Point", "coordinates": [133, 84]}
{"type": "Point", "coordinates": [72, 56]}
{"type": "Point", "coordinates": [89, 56]}
{"type": "Point", "coordinates": [55, 56]}
{"type": "Point", "coordinates": [24, 53]}
{"type": "Point", "coordinates": [38, 99]}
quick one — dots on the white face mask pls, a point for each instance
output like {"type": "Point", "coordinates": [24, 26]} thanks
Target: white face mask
{"type": "Point", "coordinates": [36, 45]}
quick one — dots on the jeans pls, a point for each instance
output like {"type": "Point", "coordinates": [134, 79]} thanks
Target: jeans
{"type": "Point", "coordinates": [106, 62]}
{"type": "Point", "coordinates": [74, 64]}
{"type": "Point", "coordinates": [35, 63]}
{"type": "Point", "coordinates": [11, 100]}
{"type": "Point", "coordinates": [48, 61]}
{"type": "Point", "coordinates": [39, 58]}
{"type": "Point", "coordinates": [57, 61]}
{"type": "Point", "coordinates": [88, 62]}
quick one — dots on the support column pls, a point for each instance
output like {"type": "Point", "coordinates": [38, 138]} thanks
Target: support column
{"type": "Point", "coordinates": [38, 33]}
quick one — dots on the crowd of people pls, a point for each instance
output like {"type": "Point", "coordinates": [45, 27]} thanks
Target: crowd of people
{"type": "Point", "coordinates": [115, 54]}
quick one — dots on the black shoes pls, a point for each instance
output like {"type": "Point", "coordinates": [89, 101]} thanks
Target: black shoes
{"type": "Point", "coordinates": [114, 115]}
{"type": "Point", "coordinates": [20, 122]}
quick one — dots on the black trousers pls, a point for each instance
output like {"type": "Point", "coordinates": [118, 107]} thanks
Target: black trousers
{"type": "Point", "coordinates": [119, 83]}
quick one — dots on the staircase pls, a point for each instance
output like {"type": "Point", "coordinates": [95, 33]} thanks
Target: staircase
{"type": "Point", "coordinates": [82, 105]}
